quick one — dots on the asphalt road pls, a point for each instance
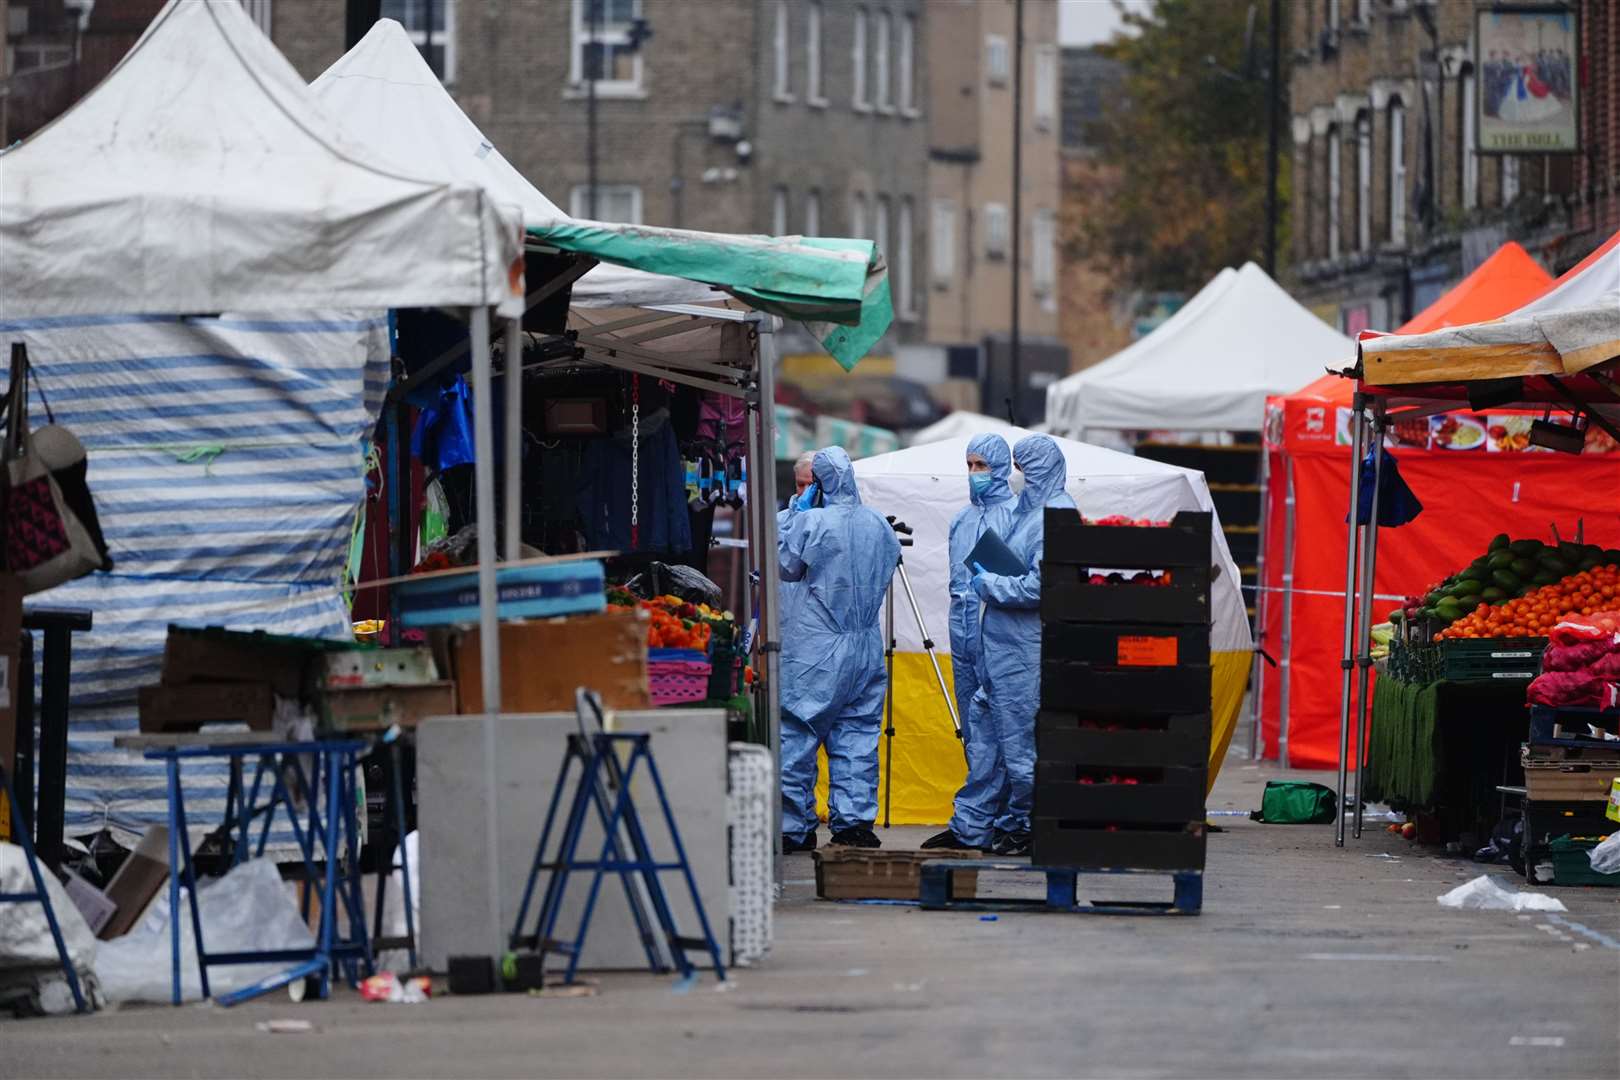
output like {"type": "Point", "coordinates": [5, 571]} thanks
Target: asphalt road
{"type": "Point", "coordinates": [1306, 961]}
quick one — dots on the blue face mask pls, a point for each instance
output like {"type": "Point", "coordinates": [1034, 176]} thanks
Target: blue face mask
{"type": "Point", "coordinates": [980, 482]}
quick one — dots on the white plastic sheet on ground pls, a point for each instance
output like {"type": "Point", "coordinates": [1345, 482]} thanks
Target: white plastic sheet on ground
{"type": "Point", "coordinates": [27, 950]}
{"type": "Point", "coordinates": [1485, 893]}
{"type": "Point", "coordinates": [249, 908]}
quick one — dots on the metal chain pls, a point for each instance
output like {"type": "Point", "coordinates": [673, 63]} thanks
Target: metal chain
{"type": "Point", "coordinates": [635, 462]}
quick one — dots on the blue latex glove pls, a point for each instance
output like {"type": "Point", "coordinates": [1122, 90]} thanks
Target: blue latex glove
{"type": "Point", "coordinates": [806, 500]}
{"type": "Point", "coordinates": [980, 581]}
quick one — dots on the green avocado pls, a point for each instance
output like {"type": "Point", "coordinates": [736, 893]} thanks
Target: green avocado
{"type": "Point", "coordinates": [1493, 595]}
{"type": "Point", "coordinates": [1555, 563]}
{"type": "Point", "coordinates": [1611, 557]}
{"type": "Point", "coordinates": [1522, 567]}
{"type": "Point", "coordinates": [1477, 574]}
{"type": "Point", "coordinates": [1546, 577]}
{"type": "Point", "coordinates": [1507, 579]}
{"type": "Point", "coordinates": [1499, 541]}
{"type": "Point", "coordinates": [1570, 551]}
{"type": "Point", "coordinates": [1589, 563]}
{"type": "Point", "coordinates": [1500, 560]}
{"type": "Point", "coordinates": [1467, 587]}
{"type": "Point", "coordinates": [1526, 547]}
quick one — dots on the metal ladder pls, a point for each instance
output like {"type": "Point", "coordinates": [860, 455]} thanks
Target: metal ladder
{"type": "Point", "coordinates": [604, 787]}
{"type": "Point", "coordinates": [39, 895]}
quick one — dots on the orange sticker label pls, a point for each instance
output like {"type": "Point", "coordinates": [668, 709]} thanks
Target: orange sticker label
{"type": "Point", "coordinates": [1147, 651]}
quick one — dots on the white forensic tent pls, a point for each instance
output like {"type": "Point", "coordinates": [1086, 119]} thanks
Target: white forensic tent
{"type": "Point", "coordinates": [1209, 367]}
{"type": "Point", "coordinates": [925, 486]}
{"type": "Point", "coordinates": [198, 182]}
{"type": "Point", "coordinates": [959, 424]}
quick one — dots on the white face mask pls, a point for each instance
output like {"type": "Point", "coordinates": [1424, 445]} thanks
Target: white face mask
{"type": "Point", "coordinates": [1016, 482]}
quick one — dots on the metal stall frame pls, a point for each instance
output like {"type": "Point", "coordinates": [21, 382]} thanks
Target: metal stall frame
{"type": "Point", "coordinates": [1257, 677]}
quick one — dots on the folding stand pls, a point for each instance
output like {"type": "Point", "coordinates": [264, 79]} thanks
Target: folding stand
{"type": "Point", "coordinates": [332, 770]}
{"type": "Point", "coordinates": [598, 756]}
{"type": "Point", "coordinates": [39, 895]}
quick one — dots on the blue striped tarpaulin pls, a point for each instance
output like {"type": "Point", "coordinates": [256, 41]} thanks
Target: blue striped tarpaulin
{"type": "Point", "coordinates": [226, 462]}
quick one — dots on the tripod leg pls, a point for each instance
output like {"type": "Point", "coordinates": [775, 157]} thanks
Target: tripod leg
{"type": "Point", "coordinates": [928, 646]}
{"type": "Point", "coordinates": [888, 731]}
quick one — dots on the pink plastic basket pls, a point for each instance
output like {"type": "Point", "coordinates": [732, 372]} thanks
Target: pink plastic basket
{"type": "Point", "coordinates": [672, 682]}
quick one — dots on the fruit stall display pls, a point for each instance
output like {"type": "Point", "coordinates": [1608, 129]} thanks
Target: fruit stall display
{"type": "Point", "coordinates": [691, 648]}
{"type": "Point", "coordinates": [1516, 589]}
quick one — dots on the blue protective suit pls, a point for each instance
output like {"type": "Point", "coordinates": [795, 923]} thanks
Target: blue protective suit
{"type": "Point", "coordinates": [844, 554]}
{"type": "Point", "coordinates": [1001, 740]}
{"type": "Point", "coordinates": [991, 508]}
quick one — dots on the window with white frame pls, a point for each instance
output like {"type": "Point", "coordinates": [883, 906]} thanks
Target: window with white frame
{"type": "Point", "coordinates": [1397, 172]}
{"type": "Point", "coordinates": [880, 46]}
{"type": "Point", "coordinates": [908, 65]}
{"type": "Point", "coordinates": [1364, 174]}
{"type": "Point", "coordinates": [784, 71]}
{"type": "Point", "coordinates": [1335, 193]}
{"type": "Point", "coordinates": [942, 242]}
{"type": "Point", "coordinates": [997, 60]}
{"type": "Point", "coordinates": [900, 266]}
{"type": "Point", "coordinates": [1470, 158]}
{"type": "Point", "coordinates": [857, 63]}
{"type": "Point", "coordinates": [995, 230]}
{"type": "Point", "coordinates": [812, 213]}
{"type": "Point", "coordinates": [603, 32]}
{"type": "Point", "coordinates": [880, 225]}
{"type": "Point", "coordinates": [1043, 254]}
{"type": "Point", "coordinates": [1364, 12]}
{"type": "Point", "coordinates": [1046, 87]}
{"type": "Point", "coordinates": [812, 54]}
{"type": "Point", "coordinates": [779, 211]}
{"type": "Point", "coordinates": [857, 215]}
{"type": "Point", "coordinates": [437, 48]}
{"type": "Point", "coordinates": [614, 202]}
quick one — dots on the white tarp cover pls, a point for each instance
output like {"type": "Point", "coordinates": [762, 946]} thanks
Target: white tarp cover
{"type": "Point", "coordinates": [386, 93]}
{"type": "Point", "coordinates": [925, 486]}
{"type": "Point", "coordinates": [202, 176]}
{"type": "Point", "coordinates": [960, 423]}
{"type": "Point", "coordinates": [1567, 329]}
{"type": "Point", "coordinates": [226, 465]}
{"type": "Point", "coordinates": [1210, 367]}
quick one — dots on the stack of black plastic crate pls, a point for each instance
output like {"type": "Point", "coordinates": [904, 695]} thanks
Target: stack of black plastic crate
{"type": "Point", "coordinates": [1122, 738]}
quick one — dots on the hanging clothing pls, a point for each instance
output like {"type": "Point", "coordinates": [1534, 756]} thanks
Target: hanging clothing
{"type": "Point", "coordinates": [605, 491]}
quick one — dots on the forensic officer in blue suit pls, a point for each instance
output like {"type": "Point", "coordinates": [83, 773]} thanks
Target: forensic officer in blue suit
{"type": "Point", "coordinates": [833, 679]}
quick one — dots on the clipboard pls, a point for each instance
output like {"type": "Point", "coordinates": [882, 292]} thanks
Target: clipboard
{"type": "Point", "coordinates": [992, 553]}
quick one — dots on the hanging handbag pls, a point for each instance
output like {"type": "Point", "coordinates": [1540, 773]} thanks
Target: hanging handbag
{"type": "Point", "coordinates": [49, 532]}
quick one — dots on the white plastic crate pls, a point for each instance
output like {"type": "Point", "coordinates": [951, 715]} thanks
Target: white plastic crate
{"type": "Point", "coordinates": [748, 816]}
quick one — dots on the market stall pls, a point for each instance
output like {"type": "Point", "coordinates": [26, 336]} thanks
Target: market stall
{"type": "Point", "coordinates": [1307, 446]}
{"type": "Point", "coordinates": [925, 486]}
{"type": "Point", "coordinates": [1556, 355]}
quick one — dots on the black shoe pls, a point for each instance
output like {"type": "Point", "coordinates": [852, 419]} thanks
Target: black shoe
{"type": "Point", "coordinates": [947, 841]}
{"type": "Point", "coordinates": [1012, 845]}
{"type": "Point", "coordinates": [791, 846]}
{"type": "Point", "coordinates": [859, 836]}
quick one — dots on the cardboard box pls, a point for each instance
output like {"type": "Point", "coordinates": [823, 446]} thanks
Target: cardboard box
{"type": "Point", "coordinates": [542, 663]}
{"type": "Point", "coordinates": [188, 708]}
{"type": "Point", "coordinates": [10, 681]}
{"type": "Point", "coordinates": [378, 708]}
{"type": "Point", "coordinates": [137, 882]}
{"type": "Point", "coordinates": [96, 907]}
{"type": "Point", "coordinates": [201, 656]}
{"type": "Point", "coordinates": [844, 873]}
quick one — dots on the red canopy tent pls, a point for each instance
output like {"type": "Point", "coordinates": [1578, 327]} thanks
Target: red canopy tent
{"type": "Point", "coordinates": [1504, 488]}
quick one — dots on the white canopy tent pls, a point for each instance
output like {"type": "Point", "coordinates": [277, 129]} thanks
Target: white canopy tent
{"type": "Point", "coordinates": [926, 486]}
{"type": "Point", "coordinates": [961, 424]}
{"type": "Point", "coordinates": [202, 176]}
{"type": "Point", "coordinates": [1210, 367]}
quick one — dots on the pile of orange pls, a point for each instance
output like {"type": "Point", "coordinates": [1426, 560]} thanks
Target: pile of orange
{"type": "Point", "coordinates": [1589, 592]}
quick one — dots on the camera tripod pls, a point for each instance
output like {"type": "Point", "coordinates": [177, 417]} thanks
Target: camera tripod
{"type": "Point", "coordinates": [903, 534]}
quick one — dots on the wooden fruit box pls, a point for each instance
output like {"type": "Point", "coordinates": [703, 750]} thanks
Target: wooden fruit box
{"type": "Point", "coordinates": [1568, 781]}
{"type": "Point", "coordinates": [847, 873]}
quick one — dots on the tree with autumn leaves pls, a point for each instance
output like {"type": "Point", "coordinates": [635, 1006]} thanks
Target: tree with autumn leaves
{"type": "Point", "coordinates": [1180, 191]}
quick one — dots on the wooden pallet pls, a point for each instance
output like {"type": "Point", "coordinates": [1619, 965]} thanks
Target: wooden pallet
{"type": "Point", "coordinates": [1062, 890]}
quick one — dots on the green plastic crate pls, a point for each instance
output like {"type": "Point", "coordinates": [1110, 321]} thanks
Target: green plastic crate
{"type": "Point", "coordinates": [1570, 863]}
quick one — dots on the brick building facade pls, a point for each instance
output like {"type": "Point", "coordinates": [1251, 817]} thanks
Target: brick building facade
{"type": "Point", "coordinates": [1392, 202]}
